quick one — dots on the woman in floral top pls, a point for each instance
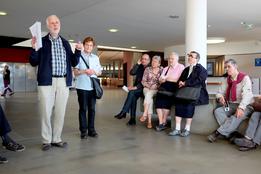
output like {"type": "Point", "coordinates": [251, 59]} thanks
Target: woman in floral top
{"type": "Point", "coordinates": [150, 82]}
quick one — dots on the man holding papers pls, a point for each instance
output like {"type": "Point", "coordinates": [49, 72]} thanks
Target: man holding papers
{"type": "Point", "coordinates": [54, 60]}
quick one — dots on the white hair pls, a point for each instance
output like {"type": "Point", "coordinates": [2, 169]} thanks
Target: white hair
{"type": "Point", "coordinates": [47, 19]}
{"type": "Point", "coordinates": [175, 54]}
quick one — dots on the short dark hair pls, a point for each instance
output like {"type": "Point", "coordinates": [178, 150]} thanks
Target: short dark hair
{"type": "Point", "coordinates": [198, 55]}
{"type": "Point", "coordinates": [89, 39]}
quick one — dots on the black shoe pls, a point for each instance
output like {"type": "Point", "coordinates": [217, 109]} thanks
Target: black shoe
{"type": "Point", "coordinates": [131, 122]}
{"type": "Point", "coordinates": [120, 115]}
{"type": "Point", "coordinates": [46, 146]}
{"type": "Point", "coordinates": [60, 144]}
{"type": "Point", "coordinates": [13, 146]}
{"type": "Point", "coordinates": [213, 137]}
{"type": "Point", "coordinates": [93, 134]}
{"type": "Point", "coordinates": [83, 136]}
{"type": "Point", "coordinates": [3, 160]}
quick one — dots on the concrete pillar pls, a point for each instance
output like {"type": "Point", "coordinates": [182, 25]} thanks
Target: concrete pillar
{"type": "Point", "coordinates": [128, 58]}
{"type": "Point", "coordinates": [196, 29]}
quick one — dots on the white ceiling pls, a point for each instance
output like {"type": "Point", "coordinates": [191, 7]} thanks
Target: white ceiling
{"type": "Point", "coordinates": [142, 23]}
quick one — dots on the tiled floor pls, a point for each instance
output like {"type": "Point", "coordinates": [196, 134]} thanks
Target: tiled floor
{"type": "Point", "coordinates": [118, 149]}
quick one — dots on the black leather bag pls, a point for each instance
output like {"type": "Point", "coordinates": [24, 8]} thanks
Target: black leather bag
{"type": "Point", "coordinates": [188, 93]}
{"type": "Point", "coordinates": [97, 87]}
{"type": "Point", "coordinates": [95, 83]}
{"type": "Point", "coordinates": [163, 91]}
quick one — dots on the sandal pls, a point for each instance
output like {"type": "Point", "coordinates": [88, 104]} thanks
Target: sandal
{"type": "Point", "coordinates": [143, 118]}
{"type": "Point", "coordinates": [149, 125]}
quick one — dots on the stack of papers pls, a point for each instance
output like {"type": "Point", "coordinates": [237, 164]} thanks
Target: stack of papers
{"type": "Point", "coordinates": [36, 32]}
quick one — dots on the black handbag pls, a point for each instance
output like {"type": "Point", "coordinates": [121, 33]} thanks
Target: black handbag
{"type": "Point", "coordinates": [188, 93]}
{"type": "Point", "coordinates": [163, 91]}
{"type": "Point", "coordinates": [95, 83]}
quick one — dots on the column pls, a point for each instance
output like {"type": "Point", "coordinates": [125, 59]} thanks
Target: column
{"type": "Point", "coordinates": [196, 29]}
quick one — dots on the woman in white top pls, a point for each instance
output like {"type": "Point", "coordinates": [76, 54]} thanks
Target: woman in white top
{"type": "Point", "coordinates": [89, 66]}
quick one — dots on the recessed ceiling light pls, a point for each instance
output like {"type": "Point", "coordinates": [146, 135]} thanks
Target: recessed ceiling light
{"type": "Point", "coordinates": [133, 47]}
{"type": "Point", "coordinates": [113, 30]}
{"type": "Point", "coordinates": [71, 40]}
{"type": "Point", "coordinates": [173, 16]}
{"type": "Point", "coordinates": [215, 40]}
{"type": "Point", "coordinates": [2, 13]}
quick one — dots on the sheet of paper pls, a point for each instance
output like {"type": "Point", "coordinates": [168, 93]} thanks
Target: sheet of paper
{"type": "Point", "coordinates": [36, 32]}
{"type": "Point", "coordinates": [125, 88]}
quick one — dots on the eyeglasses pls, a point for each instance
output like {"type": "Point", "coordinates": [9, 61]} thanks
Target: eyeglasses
{"type": "Point", "coordinates": [190, 55]}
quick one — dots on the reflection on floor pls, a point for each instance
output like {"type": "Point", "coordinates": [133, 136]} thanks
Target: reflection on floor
{"type": "Point", "coordinates": [118, 149]}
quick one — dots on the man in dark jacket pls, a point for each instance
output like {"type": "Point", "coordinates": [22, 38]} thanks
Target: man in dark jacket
{"type": "Point", "coordinates": [54, 60]}
{"type": "Point", "coordinates": [136, 91]}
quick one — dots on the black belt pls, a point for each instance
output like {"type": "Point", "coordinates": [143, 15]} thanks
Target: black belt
{"type": "Point", "coordinates": [59, 76]}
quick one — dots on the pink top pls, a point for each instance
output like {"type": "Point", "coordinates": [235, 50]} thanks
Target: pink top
{"type": "Point", "coordinates": [173, 73]}
{"type": "Point", "coordinates": [151, 80]}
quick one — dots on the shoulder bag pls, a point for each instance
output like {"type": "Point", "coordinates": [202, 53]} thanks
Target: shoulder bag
{"type": "Point", "coordinates": [162, 90]}
{"type": "Point", "coordinates": [95, 83]}
{"type": "Point", "coordinates": [188, 93]}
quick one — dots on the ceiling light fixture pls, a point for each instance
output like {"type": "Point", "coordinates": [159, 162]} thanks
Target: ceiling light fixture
{"type": "Point", "coordinates": [215, 40]}
{"type": "Point", "coordinates": [113, 30]}
{"type": "Point", "coordinates": [2, 13]}
{"type": "Point", "coordinates": [120, 48]}
{"type": "Point", "coordinates": [71, 40]}
{"type": "Point", "coordinates": [247, 26]}
{"type": "Point", "coordinates": [133, 47]}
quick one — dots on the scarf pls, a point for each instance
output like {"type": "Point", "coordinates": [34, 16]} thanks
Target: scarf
{"type": "Point", "coordinates": [232, 86]}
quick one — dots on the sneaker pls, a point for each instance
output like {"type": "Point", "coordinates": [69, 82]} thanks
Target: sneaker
{"type": "Point", "coordinates": [60, 144]}
{"type": "Point", "coordinates": [46, 146]}
{"type": "Point", "coordinates": [83, 136]}
{"type": "Point", "coordinates": [13, 146]}
{"type": "Point", "coordinates": [11, 93]}
{"type": "Point", "coordinates": [160, 127]}
{"type": "Point", "coordinates": [243, 142]}
{"type": "Point", "coordinates": [3, 160]}
{"type": "Point", "coordinates": [185, 133]}
{"type": "Point", "coordinates": [213, 137]}
{"type": "Point", "coordinates": [174, 133]}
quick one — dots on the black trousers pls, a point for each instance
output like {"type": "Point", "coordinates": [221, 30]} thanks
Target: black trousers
{"type": "Point", "coordinates": [86, 101]}
{"type": "Point", "coordinates": [131, 102]}
{"type": "Point", "coordinates": [4, 125]}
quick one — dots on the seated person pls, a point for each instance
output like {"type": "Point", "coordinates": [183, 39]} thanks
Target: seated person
{"type": "Point", "coordinates": [150, 82]}
{"type": "Point", "coordinates": [135, 92]}
{"type": "Point", "coordinates": [234, 99]}
{"type": "Point", "coordinates": [168, 80]}
{"type": "Point", "coordinates": [252, 137]}
{"type": "Point", "coordinates": [8, 143]}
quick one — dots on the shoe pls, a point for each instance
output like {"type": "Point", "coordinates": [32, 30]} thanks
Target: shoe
{"type": "Point", "coordinates": [244, 142]}
{"type": "Point", "coordinates": [185, 133]}
{"type": "Point", "coordinates": [174, 133]}
{"type": "Point", "coordinates": [12, 93]}
{"type": "Point", "coordinates": [120, 115]}
{"type": "Point", "coordinates": [160, 127]}
{"type": "Point", "coordinates": [131, 122]}
{"type": "Point", "coordinates": [3, 160]}
{"type": "Point", "coordinates": [213, 137]}
{"type": "Point", "coordinates": [93, 134]}
{"type": "Point", "coordinates": [13, 146]}
{"type": "Point", "coordinates": [234, 136]}
{"type": "Point", "coordinates": [3, 95]}
{"type": "Point", "coordinates": [143, 118]}
{"type": "Point", "coordinates": [60, 144]}
{"type": "Point", "coordinates": [149, 125]}
{"type": "Point", "coordinates": [84, 136]}
{"type": "Point", "coordinates": [46, 146]}
{"type": "Point", "coordinates": [243, 149]}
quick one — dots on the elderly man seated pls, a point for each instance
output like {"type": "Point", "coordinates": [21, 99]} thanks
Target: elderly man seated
{"type": "Point", "coordinates": [235, 100]}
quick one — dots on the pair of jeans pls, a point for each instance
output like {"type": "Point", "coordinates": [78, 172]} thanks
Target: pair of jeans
{"type": "Point", "coordinates": [131, 102]}
{"type": "Point", "coordinates": [4, 125]}
{"type": "Point", "coordinates": [87, 100]}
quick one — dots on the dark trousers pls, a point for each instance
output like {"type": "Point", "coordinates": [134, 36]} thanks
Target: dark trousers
{"type": "Point", "coordinates": [131, 102]}
{"type": "Point", "coordinates": [6, 85]}
{"type": "Point", "coordinates": [86, 101]}
{"type": "Point", "coordinates": [4, 125]}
